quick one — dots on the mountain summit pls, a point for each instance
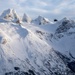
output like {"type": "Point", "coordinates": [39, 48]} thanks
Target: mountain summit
{"type": "Point", "coordinates": [26, 18]}
{"type": "Point", "coordinates": [10, 15]}
{"type": "Point", "coordinates": [41, 20]}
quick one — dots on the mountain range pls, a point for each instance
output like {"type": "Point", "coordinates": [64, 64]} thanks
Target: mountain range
{"type": "Point", "coordinates": [36, 47]}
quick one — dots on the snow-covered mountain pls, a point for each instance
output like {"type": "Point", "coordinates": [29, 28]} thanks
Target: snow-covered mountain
{"type": "Point", "coordinates": [26, 18]}
{"type": "Point", "coordinates": [41, 21]}
{"type": "Point", "coordinates": [10, 15]}
{"type": "Point", "coordinates": [58, 33]}
{"type": "Point", "coordinates": [27, 49]}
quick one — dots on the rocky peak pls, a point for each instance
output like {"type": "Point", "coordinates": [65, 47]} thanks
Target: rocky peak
{"type": "Point", "coordinates": [26, 18]}
{"type": "Point", "coordinates": [10, 15]}
{"type": "Point", "coordinates": [41, 20]}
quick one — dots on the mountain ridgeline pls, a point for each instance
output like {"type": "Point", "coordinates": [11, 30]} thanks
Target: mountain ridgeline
{"type": "Point", "coordinates": [36, 47]}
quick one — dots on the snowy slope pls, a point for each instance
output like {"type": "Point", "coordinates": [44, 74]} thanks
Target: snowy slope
{"type": "Point", "coordinates": [20, 47]}
{"type": "Point", "coordinates": [60, 35]}
{"type": "Point", "coordinates": [36, 49]}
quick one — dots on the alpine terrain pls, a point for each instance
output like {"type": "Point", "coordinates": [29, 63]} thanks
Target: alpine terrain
{"type": "Point", "coordinates": [36, 47]}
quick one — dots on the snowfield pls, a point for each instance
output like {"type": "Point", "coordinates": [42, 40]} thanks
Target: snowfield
{"type": "Point", "coordinates": [37, 47]}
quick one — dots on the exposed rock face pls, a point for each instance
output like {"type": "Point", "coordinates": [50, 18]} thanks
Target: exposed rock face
{"type": "Point", "coordinates": [65, 26]}
{"type": "Point", "coordinates": [71, 65]}
{"type": "Point", "coordinates": [18, 72]}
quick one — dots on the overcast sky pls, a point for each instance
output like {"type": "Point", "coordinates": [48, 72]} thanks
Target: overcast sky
{"type": "Point", "coordinates": [47, 8]}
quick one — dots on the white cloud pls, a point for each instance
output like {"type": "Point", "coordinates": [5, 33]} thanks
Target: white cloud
{"type": "Point", "coordinates": [41, 3]}
{"type": "Point", "coordinates": [57, 8]}
{"type": "Point", "coordinates": [39, 10]}
{"type": "Point", "coordinates": [56, 11]}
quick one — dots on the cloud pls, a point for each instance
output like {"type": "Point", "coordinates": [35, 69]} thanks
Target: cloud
{"type": "Point", "coordinates": [47, 8]}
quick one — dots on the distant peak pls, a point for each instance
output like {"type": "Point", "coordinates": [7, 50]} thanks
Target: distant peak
{"type": "Point", "coordinates": [26, 18]}
{"type": "Point", "coordinates": [25, 15]}
{"type": "Point", "coordinates": [10, 15]}
{"type": "Point", "coordinates": [65, 18]}
{"type": "Point", "coordinates": [40, 16]}
{"type": "Point", "coordinates": [8, 11]}
{"type": "Point", "coordinates": [41, 20]}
